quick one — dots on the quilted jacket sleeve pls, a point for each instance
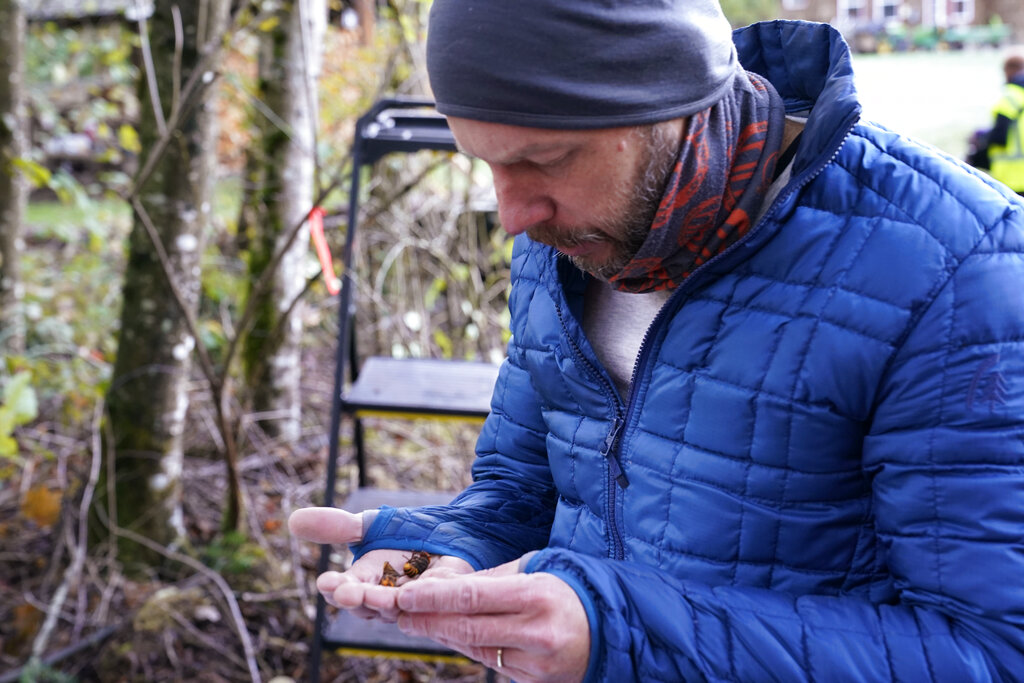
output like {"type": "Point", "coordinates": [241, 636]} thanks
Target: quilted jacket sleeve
{"type": "Point", "coordinates": [945, 458]}
{"type": "Point", "coordinates": [508, 510]}
{"type": "Point", "coordinates": [692, 632]}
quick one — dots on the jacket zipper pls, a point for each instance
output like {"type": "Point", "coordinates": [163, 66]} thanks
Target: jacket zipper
{"type": "Point", "coordinates": [610, 448]}
{"type": "Point", "coordinates": [616, 476]}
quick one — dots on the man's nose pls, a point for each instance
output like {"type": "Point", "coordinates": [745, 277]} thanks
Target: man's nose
{"type": "Point", "coordinates": [521, 203]}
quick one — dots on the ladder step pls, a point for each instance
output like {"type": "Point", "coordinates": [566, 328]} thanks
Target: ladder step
{"type": "Point", "coordinates": [422, 386]}
{"type": "Point", "coordinates": [353, 635]}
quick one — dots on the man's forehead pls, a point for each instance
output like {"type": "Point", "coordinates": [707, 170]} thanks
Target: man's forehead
{"type": "Point", "coordinates": [505, 144]}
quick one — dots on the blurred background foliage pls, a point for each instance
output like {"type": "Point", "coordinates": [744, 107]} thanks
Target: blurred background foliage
{"type": "Point", "coordinates": [440, 292]}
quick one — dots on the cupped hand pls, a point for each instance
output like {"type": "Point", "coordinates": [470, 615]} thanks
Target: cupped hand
{"type": "Point", "coordinates": [358, 589]}
{"type": "Point", "coordinates": [536, 620]}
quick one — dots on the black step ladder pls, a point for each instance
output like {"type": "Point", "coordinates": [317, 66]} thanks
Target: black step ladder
{"type": "Point", "coordinates": [389, 387]}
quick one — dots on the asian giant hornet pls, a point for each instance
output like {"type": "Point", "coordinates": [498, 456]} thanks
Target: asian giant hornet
{"type": "Point", "coordinates": [416, 564]}
{"type": "Point", "coordinates": [388, 575]}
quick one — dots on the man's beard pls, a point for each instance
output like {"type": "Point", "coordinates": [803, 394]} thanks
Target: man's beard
{"type": "Point", "coordinates": [627, 229]}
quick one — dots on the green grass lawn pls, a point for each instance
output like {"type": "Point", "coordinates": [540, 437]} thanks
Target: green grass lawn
{"type": "Point", "coordinates": [51, 218]}
{"type": "Point", "coordinates": [936, 97]}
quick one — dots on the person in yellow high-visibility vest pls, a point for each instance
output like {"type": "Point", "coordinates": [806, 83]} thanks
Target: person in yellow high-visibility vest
{"type": "Point", "coordinates": [1005, 141]}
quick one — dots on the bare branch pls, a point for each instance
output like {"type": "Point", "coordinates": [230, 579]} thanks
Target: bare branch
{"type": "Point", "coordinates": [179, 47]}
{"type": "Point", "coordinates": [154, 91]}
{"type": "Point", "coordinates": [260, 106]}
{"type": "Point", "coordinates": [73, 574]}
{"type": "Point", "coordinates": [225, 589]}
{"type": "Point", "coordinates": [55, 657]}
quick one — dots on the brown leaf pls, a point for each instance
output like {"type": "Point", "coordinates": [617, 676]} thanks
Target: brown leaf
{"type": "Point", "coordinates": [41, 505]}
{"type": "Point", "coordinates": [26, 622]}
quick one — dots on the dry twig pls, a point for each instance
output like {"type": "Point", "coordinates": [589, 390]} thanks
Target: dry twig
{"type": "Point", "coordinates": [218, 580]}
{"type": "Point", "coordinates": [75, 572]}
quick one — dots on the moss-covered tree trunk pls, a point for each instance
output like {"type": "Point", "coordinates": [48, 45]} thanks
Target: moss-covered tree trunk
{"type": "Point", "coordinates": [289, 64]}
{"type": "Point", "coordinates": [147, 399]}
{"type": "Point", "coordinates": [13, 188]}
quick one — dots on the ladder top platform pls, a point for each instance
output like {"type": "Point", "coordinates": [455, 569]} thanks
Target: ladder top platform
{"type": "Point", "coordinates": [400, 126]}
{"type": "Point", "coordinates": [423, 386]}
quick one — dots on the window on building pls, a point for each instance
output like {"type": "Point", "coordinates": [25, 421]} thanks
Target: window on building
{"type": "Point", "coordinates": [961, 11]}
{"type": "Point", "coordinates": [853, 9]}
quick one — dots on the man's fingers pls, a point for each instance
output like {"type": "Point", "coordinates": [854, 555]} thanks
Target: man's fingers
{"type": "Point", "coordinates": [536, 619]}
{"type": "Point", "coordinates": [507, 569]}
{"type": "Point", "coordinates": [447, 566]}
{"type": "Point", "coordinates": [382, 599]}
{"type": "Point", "coordinates": [329, 581]}
{"type": "Point", "coordinates": [326, 525]}
{"type": "Point", "coordinates": [340, 589]}
{"type": "Point", "coordinates": [478, 630]}
{"type": "Point", "coordinates": [475, 594]}
{"type": "Point", "coordinates": [365, 600]}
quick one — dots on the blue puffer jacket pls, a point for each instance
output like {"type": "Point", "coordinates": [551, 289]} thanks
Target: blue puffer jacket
{"type": "Point", "coordinates": [825, 440]}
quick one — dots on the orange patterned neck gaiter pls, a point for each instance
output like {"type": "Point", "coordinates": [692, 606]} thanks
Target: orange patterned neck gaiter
{"type": "Point", "coordinates": [725, 164]}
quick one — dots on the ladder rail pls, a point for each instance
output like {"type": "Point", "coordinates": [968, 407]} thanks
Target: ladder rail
{"type": "Point", "coordinates": [390, 125]}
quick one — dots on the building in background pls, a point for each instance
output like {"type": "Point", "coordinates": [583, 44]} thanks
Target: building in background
{"type": "Point", "coordinates": [76, 11]}
{"type": "Point", "coordinates": [81, 90]}
{"type": "Point", "coordinates": [879, 25]}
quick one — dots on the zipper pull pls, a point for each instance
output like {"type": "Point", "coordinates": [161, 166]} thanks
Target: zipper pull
{"type": "Point", "coordinates": [609, 446]}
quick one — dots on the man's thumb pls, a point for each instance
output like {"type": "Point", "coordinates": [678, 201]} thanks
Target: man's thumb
{"type": "Point", "coordinates": [326, 525]}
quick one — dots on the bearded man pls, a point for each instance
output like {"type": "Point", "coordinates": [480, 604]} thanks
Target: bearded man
{"type": "Point", "coordinates": [762, 415]}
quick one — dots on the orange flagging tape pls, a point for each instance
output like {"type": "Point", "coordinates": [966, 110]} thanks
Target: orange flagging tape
{"type": "Point", "coordinates": [323, 252]}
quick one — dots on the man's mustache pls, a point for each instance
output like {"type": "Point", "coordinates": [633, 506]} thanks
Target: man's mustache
{"type": "Point", "coordinates": [559, 237]}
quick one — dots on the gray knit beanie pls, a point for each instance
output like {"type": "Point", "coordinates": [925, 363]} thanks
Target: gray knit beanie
{"type": "Point", "coordinates": [578, 63]}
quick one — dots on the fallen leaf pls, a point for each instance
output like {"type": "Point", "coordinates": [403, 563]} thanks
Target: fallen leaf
{"type": "Point", "coordinates": [26, 622]}
{"type": "Point", "coordinates": [41, 505]}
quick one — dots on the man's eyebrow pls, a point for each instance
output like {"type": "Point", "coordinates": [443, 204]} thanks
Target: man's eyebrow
{"type": "Point", "coordinates": [541, 148]}
{"type": "Point", "coordinates": [525, 152]}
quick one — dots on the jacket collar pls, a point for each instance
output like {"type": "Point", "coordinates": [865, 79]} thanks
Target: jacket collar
{"type": "Point", "coordinates": [811, 68]}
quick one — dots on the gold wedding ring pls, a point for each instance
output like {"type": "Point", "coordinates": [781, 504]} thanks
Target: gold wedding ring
{"type": "Point", "coordinates": [499, 662]}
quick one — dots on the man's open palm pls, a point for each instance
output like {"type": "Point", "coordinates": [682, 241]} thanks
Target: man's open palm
{"type": "Point", "coordinates": [358, 589]}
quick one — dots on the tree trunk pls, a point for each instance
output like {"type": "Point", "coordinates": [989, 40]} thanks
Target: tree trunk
{"type": "Point", "coordinates": [13, 187]}
{"type": "Point", "coordinates": [148, 398]}
{"type": "Point", "coordinates": [290, 57]}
